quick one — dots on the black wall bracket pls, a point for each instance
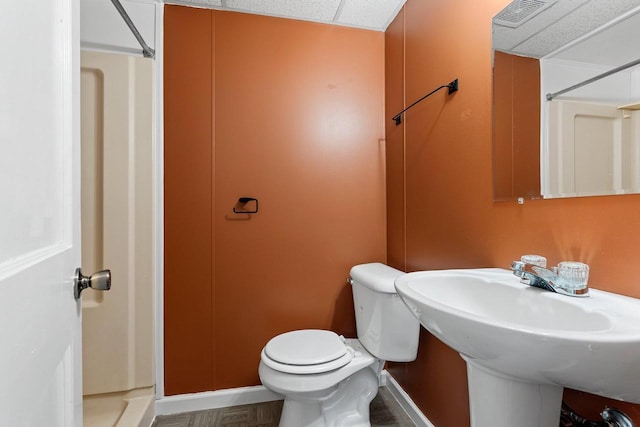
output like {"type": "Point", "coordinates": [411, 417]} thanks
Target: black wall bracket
{"type": "Point", "coordinates": [239, 208]}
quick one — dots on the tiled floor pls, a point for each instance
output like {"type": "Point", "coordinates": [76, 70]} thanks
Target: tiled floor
{"type": "Point", "coordinates": [384, 411]}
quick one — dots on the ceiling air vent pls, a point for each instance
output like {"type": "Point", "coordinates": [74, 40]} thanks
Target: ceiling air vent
{"type": "Point", "coordinates": [520, 11]}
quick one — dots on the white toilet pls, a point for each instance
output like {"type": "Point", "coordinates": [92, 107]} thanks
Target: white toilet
{"type": "Point", "coordinates": [329, 381]}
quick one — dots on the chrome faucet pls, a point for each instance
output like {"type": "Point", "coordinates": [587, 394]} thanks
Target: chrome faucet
{"type": "Point", "coordinates": [543, 278]}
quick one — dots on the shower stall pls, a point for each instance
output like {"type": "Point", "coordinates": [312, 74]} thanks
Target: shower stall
{"type": "Point", "coordinates": [117, 233]}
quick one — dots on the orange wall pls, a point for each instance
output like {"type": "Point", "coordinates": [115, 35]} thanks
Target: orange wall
{"type": "Point", "coordinates": [450, 219]}
{"type": "Point", "coordinates": [188, 198]}
{"type": "Point", "coordinates": [288, 112]}
{"type": "Point", "coordinates": [394, 103]}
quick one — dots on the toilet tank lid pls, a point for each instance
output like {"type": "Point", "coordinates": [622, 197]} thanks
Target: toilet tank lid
{"type": "Point", "coordinates": [376, 276]}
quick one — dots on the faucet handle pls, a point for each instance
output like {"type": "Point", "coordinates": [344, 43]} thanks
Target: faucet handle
{"type": "Point", "coordinates": [538, 260]}
{"type": "Point", "coordinates": [574, 275]}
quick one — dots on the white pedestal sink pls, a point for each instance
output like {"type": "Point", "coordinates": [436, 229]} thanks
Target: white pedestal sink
{"type": "Point", "coordinates": [522, 344]}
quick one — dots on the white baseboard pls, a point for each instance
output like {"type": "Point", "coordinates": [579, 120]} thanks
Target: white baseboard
{"type": "Point", "coordinates": [214, 399]}
{"type": "Point", "coordinates": [258, 394]}
{"type": "Point", "coordinates": [405, 401]}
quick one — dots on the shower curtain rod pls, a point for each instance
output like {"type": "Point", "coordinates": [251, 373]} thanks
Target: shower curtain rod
{"type": "Point", "coordinates": [147, 52]}
{"type": "Point", "coordinates": [550, 96]}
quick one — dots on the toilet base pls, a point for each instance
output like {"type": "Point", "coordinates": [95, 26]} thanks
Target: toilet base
{"type": "Point", "coordinates": [345, 405]}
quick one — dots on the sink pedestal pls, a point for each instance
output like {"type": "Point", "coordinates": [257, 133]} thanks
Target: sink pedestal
{"type": "Point", "coordinates": [497, 400]}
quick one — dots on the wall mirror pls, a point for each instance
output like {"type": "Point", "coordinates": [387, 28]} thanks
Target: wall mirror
{"type": "Point", "coordinates": [584, 141]}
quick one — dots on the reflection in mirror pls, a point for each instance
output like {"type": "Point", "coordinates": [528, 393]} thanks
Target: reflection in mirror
{"type": "Point", "coordinates": [586, 141]}
{"type": "Point", "coordinates": [516, 126]}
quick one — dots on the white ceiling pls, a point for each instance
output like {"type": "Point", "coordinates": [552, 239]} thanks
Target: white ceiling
{"type": "Point", "coordinates": [567, 20]}
{"type": "Point", "coordinates": [561, 23]}
{"type": "Point", "coordinates": [614, 45]}
{"type": "Point", "coordinates": [368, 14]}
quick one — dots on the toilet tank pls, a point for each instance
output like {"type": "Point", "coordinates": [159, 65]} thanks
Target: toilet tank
{"type": "Point", "coordinates": [386, 327]}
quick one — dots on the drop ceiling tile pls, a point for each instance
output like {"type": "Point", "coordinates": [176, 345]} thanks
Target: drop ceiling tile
{"type": "Point", "coordinates": [373, 14]}
{"type": "Point", "coordinates": [563, 22]}
{"type": "Point", "coordinates": [613, 46]}
{"type": "Point", "coordinates": [508, 39]}
{"type": "Point", "coordinates": [583, 20]}
{"type": "Point", "coordinates": [312, 10]}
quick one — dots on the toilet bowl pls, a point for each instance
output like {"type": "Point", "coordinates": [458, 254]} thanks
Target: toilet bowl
{"type": "Point", "coordinates": [329, 381]}
{"type": "Point", "coordinates": [334, 392]}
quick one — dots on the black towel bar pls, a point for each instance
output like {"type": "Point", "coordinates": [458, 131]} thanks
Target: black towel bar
{"type": "Point", "coordinates": [453, 87]}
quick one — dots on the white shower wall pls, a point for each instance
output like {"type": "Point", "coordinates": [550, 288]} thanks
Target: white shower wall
{"type": "Point", "coordinates": [589, 146]}
{"type": "Point", "coordinates": [117, 226]}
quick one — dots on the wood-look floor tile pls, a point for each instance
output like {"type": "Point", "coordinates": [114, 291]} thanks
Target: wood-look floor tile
{"type": "Point", "coordinates": [384, 412]}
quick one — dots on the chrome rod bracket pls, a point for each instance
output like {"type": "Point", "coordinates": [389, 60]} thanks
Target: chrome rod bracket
{"type": "Point", "coordinates": [147, 52]}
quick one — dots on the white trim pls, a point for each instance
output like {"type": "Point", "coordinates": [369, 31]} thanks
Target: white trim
{"type": "Point", "coordinates": [158, 204]}
{"type": "Point", "coordinates": [405, 401]}
{"type": "Point", "coordinates": [214, 399]}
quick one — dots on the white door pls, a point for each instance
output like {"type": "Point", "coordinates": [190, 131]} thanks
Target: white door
{"type": "Point", "coordinates": [40, 330]}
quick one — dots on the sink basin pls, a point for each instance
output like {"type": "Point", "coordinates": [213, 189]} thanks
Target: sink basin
{"type": "Point", "coordinates": [522, 344]}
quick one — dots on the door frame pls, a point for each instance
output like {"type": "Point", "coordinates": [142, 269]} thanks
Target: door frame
{"type": "Point", "coordinates": [158, 202]}
{"type": "Point", "coordinates": [109, 41]}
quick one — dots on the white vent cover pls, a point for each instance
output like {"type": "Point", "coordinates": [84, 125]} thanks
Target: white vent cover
{"type": "Point", "coordinates": [520, 11]}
